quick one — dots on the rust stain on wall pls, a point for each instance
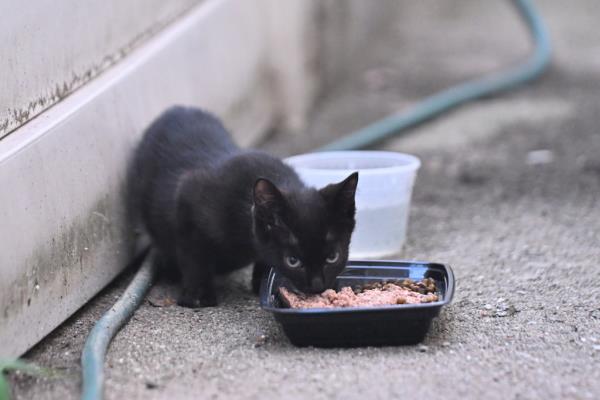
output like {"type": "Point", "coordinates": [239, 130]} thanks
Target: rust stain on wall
{"type": "Point", "coordinates": [17, 117]}
{"type": "Point", "coordinates": [52, 269]}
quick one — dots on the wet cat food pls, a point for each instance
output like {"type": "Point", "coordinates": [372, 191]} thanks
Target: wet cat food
{"type": "Point", "coordinates": [371, 294]}
{"type": "Point", "coordinates": [382, 325]}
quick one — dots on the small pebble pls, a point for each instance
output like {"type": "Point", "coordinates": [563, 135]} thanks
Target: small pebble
{"type": "Point", "coordinates": [538, 157]}
{"type": "Point", "coordinates": [151, 385]}
{"type": "Point", "coordinates": [422, 348]}
{"type": "Point", "coordinates": [260, 341]}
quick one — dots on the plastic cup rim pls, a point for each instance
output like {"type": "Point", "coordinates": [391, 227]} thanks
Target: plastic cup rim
{"type": "Point", "coordinates": [412, 163]}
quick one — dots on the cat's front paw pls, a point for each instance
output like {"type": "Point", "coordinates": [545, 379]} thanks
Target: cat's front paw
{"type": "Point", "coordinates": [257, 276]}
{"type": "Point", "coordinates": [256, 285]}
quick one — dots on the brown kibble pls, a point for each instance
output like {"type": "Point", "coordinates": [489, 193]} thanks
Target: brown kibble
{"type": "Point", "coordinates": [164, 301]}
{"type": "Point", "coordinates": [429, 298]}
{"type": "Point", "coordinates": [401, 300]}
{"type": "Point", "coordinates": [368, 286]}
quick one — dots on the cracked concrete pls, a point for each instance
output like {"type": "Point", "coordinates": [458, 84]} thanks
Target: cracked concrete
{"type": "Point", "coordinates": [521, 237]}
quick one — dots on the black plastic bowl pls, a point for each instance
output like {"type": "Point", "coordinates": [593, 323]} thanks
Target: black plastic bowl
{"type": "Point", "coordinates": [362, 326]}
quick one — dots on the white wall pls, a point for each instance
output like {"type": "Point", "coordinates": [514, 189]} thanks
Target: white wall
{"type": "Point", "coordinates": [50, 48]}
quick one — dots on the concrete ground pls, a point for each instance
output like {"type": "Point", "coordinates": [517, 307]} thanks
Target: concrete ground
{"type": "Point", "coordinates": [518, 225]}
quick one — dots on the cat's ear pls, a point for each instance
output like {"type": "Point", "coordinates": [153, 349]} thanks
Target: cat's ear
{"type": "Point", "coordinates": [268, 205]}
{"type": "Point", "coordinates": [341, 195]}
{"type": "Point", "coordinates": [265, 192]}
{"type": "Point", "coordinates": [266, 196]}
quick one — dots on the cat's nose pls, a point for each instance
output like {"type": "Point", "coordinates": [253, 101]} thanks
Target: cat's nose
{"type": "Point", "coordinates": [317, 284]}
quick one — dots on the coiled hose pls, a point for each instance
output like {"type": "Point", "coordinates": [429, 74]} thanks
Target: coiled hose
{"type": "Point", "coordinates": [455, 96]}
{"type": "Point", "coordinates": [101, 335]}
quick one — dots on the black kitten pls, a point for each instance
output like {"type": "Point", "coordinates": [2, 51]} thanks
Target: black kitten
{"type": "Point", "coordinates": [210, 208]}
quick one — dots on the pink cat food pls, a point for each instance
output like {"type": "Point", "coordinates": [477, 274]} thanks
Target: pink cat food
{"type": "Point", "coordinates": [377, 294]}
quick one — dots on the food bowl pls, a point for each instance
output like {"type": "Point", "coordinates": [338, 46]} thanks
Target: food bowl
{"type": "Point", "coordinates": [362, 326]}
{"type": "Point", "coordinates": [382, 199]}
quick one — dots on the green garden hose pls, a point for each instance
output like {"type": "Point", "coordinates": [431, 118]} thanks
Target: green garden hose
{"type": "Point", "coordinates": [443, 101]}
{"type": "Point", "coordinates": [96, 345]}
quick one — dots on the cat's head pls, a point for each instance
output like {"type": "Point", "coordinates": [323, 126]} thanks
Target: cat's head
{"type": "Point", "coordinates": [305, 234]}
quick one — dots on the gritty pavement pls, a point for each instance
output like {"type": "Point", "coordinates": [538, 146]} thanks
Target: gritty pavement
{"type": "Point", "coordinates": [508, 194]}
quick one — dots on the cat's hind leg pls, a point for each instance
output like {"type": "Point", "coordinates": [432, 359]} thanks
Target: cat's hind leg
{"type": "Point", "coordinates": [165, 263]}
{"type": "Point", "coordinates": [197, 278]}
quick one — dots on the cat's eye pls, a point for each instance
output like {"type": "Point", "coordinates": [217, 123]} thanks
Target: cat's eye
{"type": "Point", "coordinates": [292, 261]}
{"type": "Point", "coordinates": [333, 257]}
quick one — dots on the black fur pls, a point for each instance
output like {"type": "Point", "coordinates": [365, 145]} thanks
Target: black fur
{"type": "Point", "coordinates": [211, 208]}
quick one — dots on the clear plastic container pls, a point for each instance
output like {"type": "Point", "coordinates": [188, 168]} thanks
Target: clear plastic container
{"type": "Point", "coordinates": [382, 199]}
